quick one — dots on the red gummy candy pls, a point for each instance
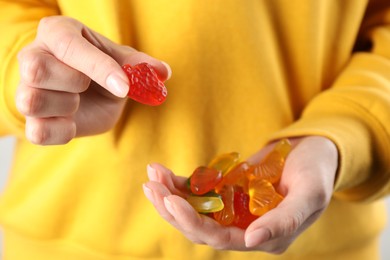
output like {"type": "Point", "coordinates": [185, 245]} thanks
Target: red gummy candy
{"type": "Point", "coordinates": [204, 179]}
{"type": "Point", "coordinates": [243, 216]}
{"type": "Point", "coordinates": [145, 86]}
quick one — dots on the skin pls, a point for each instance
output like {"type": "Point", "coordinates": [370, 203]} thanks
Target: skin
{"type": "Point", "coordinates": [307, 183]}
{"type": "Point", "coordinates": [62, 93]}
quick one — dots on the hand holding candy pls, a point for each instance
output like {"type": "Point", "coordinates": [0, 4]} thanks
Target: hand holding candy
{"type": "Point", "coordinates": [71, 81]}
{"type": "Point", "coordinates": [306, 183]}
{"type": "Point", "coordinates": [241, 191]}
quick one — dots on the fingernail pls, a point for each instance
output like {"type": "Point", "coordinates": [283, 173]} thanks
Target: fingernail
{"type": "Point", "coordinates": [117, 85]}
{"type": "Point", "coordinates": [257, 237]}
{"type": "Point", "coordinates": [152, 173]}
{"type": "Point", "coordinates": [169, 206]}
{"type": "Point", "coordinates": [148, 193]}
{"type": "Point", "coordinates": [168, 68]}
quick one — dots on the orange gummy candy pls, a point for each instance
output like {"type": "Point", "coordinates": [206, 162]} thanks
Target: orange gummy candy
{"type": "Point", "coordinates": [226, 215]}
{"type": "Point", "coordinates": [263, 197]}
{"type": "Point", "coordinates": [235, 176]}
{"type": "Point", "coordinates": [271, 167]}
{"type": "Point", "coordinates": [224, 162]}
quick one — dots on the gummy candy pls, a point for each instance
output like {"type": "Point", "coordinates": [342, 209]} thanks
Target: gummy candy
{"type": "Point", "coordinates": [226, 215]}
{"type": "Point", "coordinates": [263, 196]}
{"type": "Point", "coordinates": [243, 216]}
{"type": "Point", "coordinates": [145, 86]}
{"type": "Point", "coordinates": [206, 204]}
{"type": "Point", "coordinates": [240, 192]}
{"type": "Point", "coordinates": [224, 162]}
{"type": "Point", "coordinates": [235, 176]}
{"type": "Point", "coordinates": [271, 167]}
{"type": "Point", "coordinates": [204, 179]}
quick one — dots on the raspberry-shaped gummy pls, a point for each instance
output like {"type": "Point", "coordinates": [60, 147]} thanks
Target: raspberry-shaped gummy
{"type": "Point", "coordinates": [145, 86]}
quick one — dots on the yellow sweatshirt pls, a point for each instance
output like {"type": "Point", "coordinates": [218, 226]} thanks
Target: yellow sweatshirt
{"type": "Point", "coordinates": [245, 72]}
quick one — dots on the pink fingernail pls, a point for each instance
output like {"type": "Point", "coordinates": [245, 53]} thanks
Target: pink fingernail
{"type": "Point", "coordinates": [117, 85]}
{"type": "Point", "coordinates": [257, 237]}
{"type": "Point", "coordinates": [169, 206]}
{"type": "Point", "coordinates": [168, 69]}
{"type": "Point", "coordinates": [148, 193]}
{"type": "Point", "coordinates": [152, 173]}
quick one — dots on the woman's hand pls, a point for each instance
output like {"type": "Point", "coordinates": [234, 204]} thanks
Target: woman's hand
{"type": "Point", "coordinates": [307, 184]}
{"type": "Point", "coordinates": [72, 83]}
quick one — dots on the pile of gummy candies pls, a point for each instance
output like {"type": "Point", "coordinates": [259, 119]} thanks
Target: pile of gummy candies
{"type": "Point", "coordinates": [236, 193]}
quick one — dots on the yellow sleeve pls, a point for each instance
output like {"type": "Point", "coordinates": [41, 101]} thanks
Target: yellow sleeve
{"type": "Point", "coordinates": [18, 23]}
{"type": "Point", "coordinates": [355, 112]}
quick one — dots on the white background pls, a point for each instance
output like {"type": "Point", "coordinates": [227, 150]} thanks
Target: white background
{"type": "Point", "coordinates": [6, 148]}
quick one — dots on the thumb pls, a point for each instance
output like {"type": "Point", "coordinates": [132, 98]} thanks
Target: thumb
{"type": "Point", "coordinates": [92, 54]}
{"type": "Point", "coordinates": [297, 211]}
{"type": "Point", "coordinates": [284, 222]}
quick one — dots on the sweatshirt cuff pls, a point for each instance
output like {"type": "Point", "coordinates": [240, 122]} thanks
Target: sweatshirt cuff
{"type": "Point", "coordinates": [356, 180]}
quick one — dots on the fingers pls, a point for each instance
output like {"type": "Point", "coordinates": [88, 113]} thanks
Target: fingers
{"type": "Point", "coordinates": [177, 211]}
{"type": "Point", "coordinates": [92, 54]}
{"type": "Point", "coordinates": [203, 228]}
{"type": "Point", "coordinates": [38, 103]}
{"type": "Point", "coordinates": [65, 51]}
{"type": "Point", "coordinates": [64, 39]}
{"type": "Point", "coordinates": [198, 228]}
{"type": "Point", "coordinates": [40, 69]}
{"type": "Point", "coordinates": [48, 96]}
{"type": "Point", "coordinates": [176, 184]}
{"type": "Point", "coordinates": [49, 131]}
{"type": "Point", "coordinates": [156, 193]}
